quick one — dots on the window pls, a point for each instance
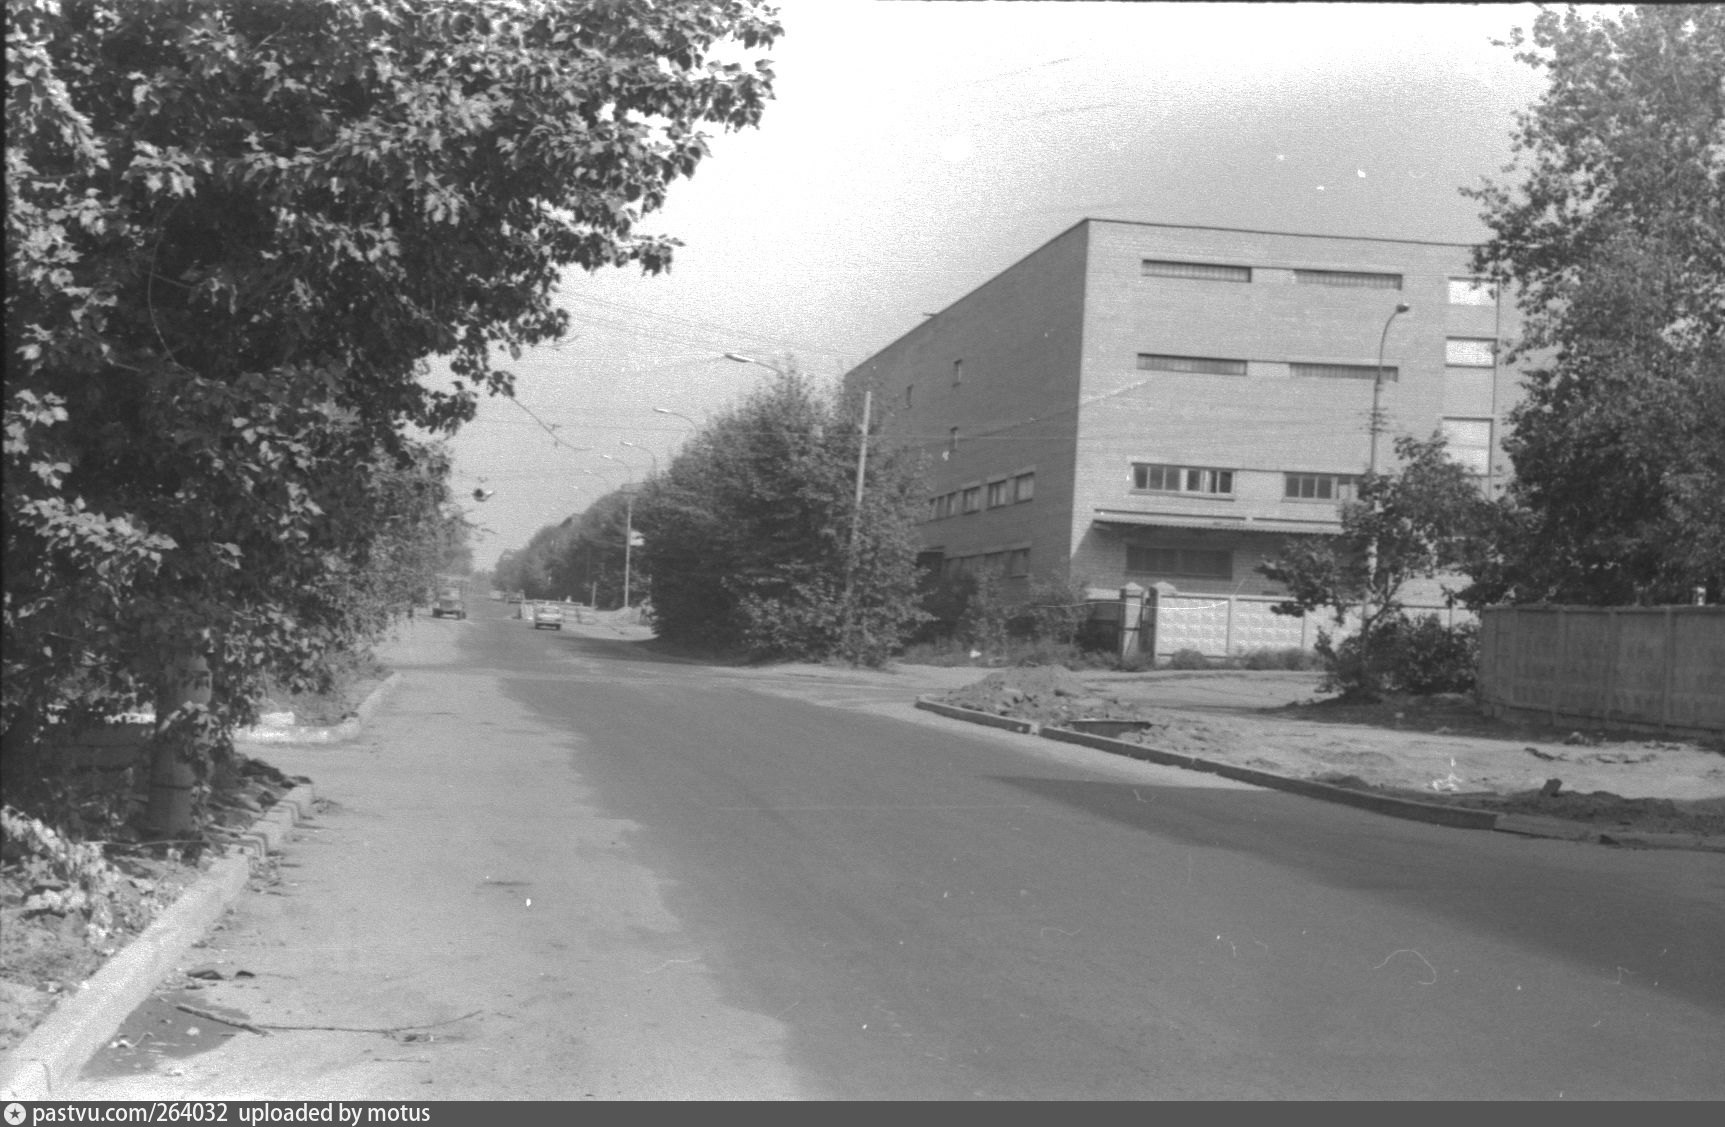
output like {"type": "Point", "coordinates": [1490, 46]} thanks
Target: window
{"type": "Point", "coordinates": [1181, 479]}
{"type": "Point", "coordinates": [908, 390]}
{"type": "Point", "coordinates": [1318, 487]}
{"type": "Point", "coordinates": [1470, 352]}
{"type": "Point", "coordinates": [1024, 487]}
{"type": "Point", "coordinates": [973, 499]}
{"type": "Point", "coordinates": [999, 493]}
{"type": "Point", "coordinates": [1472, 291]}
{"type": "Point", "coordinates": [1018, 562]}
{"type": "Point", "coordinates": [1469, 443]}
{"type": "Point", "coordinates": [1154, 268]}
{"type": "Point", "coordinates": [1205, 365]}
{"type": "Point", "coordinates": [957, 372]}
{"type": "Point", "coordinates": [1342, 371]}
{"type": "Point", "coordinates": [1199, 563]}
{"type": "Point", "coordinates": [951, 441]}
{"type": "Point", "coordinates": [1351, 279]}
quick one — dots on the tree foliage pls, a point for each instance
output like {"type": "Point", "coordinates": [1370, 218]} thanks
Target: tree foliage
{"type": "Point", "coordinates": [236, 232]}
{"type": "Point", "coordinates": [581, 557]}
{"type": "Point", "coordinates": [1422, 521]}
{"type": "Point", "coordinates": [749, 533]}
{"type": "Point", "coordinates": [1612, 227]}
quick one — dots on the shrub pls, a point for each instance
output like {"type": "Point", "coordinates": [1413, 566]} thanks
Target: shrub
{"type": "Point", "coordinates": [1414, 656]}
{"type": "Point", "coordinates": [1291, 657]}
{"type": "Point", "coordinates": [1188, 659]}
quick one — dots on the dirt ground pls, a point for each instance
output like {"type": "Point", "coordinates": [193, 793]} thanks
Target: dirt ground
{"type": "Point", "coordinates": [1438, 749]}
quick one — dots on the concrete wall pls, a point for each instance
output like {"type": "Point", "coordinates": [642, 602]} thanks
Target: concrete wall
{"type": "Point", "coordinates": [1016, 340]}
{"type": "Point", "coordinates": [1651, 668]}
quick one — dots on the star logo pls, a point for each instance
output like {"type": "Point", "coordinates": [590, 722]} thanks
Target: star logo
{"type": "Point", "coordinates": [14, 1114]}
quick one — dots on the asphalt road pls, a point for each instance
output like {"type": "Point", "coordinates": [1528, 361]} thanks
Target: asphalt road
{"type": "Point", "coordinates": [650, 879]}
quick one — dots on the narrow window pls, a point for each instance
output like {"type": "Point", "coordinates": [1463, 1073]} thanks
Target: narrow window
{"type": "Point", "coordinates": [1018, 562]}
{"type": "Point", "coordinates": [1203, 365]}
{"type": "Point", "coordinates": [973, 499]}
{"type": "Point", "coordinates": [1024, 487]}
{"type": "Point", "coordinates": [1202, 271]}
{"type": "Point", "coordinates": [1351, 279]}
{"type": "Point", "coordinates": [1197, 563]}
{"type": "Point", "coordinates": [1342, 371]}
{"type": "Point", "coordinates": [908, 389]}
{"type": "Point", "coordinates": [957, 372]}
{"type": "Point", "coordinates": [998, 491]}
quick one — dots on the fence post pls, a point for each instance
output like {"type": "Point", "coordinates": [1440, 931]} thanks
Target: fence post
{"type": "Point", "coordinates": [1131, 615]}
{"type": "Point", "coordinates": [1665, 682]}
{"type": "Point", "coordinates": [1228, 629]}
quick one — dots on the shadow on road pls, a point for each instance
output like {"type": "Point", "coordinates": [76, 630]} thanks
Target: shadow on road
{"type": "Point", "coordinates": [1486, 882]}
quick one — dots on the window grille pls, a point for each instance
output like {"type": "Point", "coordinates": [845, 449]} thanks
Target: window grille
{"type": "Point", "coordinates": [1200, 563]}
{"type": "Point", "coordinates": [1350, 279]}
{"type": "Point", "coordinates": [1342, 371]}
{"type": "Point", "coordinates": [1203, 365]}
{"type": "Point", "coordinates": [1202, 271]}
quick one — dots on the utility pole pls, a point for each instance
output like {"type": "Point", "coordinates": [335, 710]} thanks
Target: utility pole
{"type": "Point", "coordinates": [856, 526]}
{"type": "Point", "coordinates": [628, 539]}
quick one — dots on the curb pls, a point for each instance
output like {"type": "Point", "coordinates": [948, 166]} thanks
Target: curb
{"type": "Point", "coordinates": [50, 1057]}
{"type": "Point", "coordinates": [1457, 817]}
{"type": "Point", "coordinates": [339, 733]}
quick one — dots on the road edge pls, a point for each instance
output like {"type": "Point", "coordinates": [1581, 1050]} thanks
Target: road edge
{"type": "Point", "coordinates": [1456, 817]}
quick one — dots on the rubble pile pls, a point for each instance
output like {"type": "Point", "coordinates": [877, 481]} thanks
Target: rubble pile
{"type": "Point", "coordinates": [1045, 694]}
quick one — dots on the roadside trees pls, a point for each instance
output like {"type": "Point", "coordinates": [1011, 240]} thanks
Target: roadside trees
{"type": "Point", "coordinates": [749, 540]}
{"type": "Point", "coordinates": [1423, 521]}
{"type": "Point", "coordinates": [236, 232]}
{"type": "Point", "coordinates": [1612, 227]}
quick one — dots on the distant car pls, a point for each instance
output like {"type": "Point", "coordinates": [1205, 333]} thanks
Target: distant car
{"type": "Point", "coordinates": [449, 604]}
{"type": "Point", "coordinates": [548, 614]}
{"type": "Point", "coordinates": [515, 597]}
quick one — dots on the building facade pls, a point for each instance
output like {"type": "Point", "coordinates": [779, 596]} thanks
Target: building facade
{"type": "Point", "coordinates": [1147, 403]}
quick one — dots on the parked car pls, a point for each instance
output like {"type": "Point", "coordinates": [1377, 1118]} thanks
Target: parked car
{"type": "Point", "coordinates": [516, 597]}
{"type": "Point", "coordinates": [548, 614]}
{"type": "Point", "coordinates": [449, 604]}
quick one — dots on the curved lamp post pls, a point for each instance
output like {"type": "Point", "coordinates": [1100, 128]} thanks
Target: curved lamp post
{"type": "Point", "coordinates": [644, 450]}
{"type": "Point", "coordinates": [676, 415]}
{"type": "Point", "coordinates": [1372, 470]}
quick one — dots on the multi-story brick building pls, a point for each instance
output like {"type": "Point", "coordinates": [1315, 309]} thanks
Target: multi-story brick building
{"type": "Point", "coordinates": [1139, 402]}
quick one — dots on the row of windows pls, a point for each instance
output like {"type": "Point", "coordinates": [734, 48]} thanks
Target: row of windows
{"type": "Point", "coordinates": [1462, 291]}
{"type": "Point", "coordinates": [971, 499]}
{"type": "Point", "coordinates": [1198, 563]}
{"type": "Point", "coordinates": [1012, 564]}
{"type": "Point", "coordinates": [1469, 444]}
{"type": "Point", "coordinates": [1459, 352]}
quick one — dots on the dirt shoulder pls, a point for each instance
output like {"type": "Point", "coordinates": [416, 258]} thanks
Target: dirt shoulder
{"type": "Point", "coordinates": [1436, 749]}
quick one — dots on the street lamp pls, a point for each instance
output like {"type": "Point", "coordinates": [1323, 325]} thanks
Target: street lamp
{"type": "Point", "coordinates": [1371, 472]}
{"type": "Point", "coordinates": [644, 450]}
{"type": "Point", "coordinates": [741, 359]}
{"type": "Point", "coordinates": [1378, 384]}
{"type": "Point", "coordinates": [677, 415]}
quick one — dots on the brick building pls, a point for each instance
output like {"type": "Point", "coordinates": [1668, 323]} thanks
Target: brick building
{"type": "Point", "coordinates": [1140, 402]}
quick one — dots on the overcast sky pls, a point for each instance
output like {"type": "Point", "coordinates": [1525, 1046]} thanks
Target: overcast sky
{"type": "Point", "coordinates": [915, 150]}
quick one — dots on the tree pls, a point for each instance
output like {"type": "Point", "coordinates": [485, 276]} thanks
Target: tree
{"type": "Point", "coordinates": [749, 539]}
{"type": "Point", "coordinates": [1422, 522]}
{"type": "Point", "coordinates": [236, 232]}
{"type": "Point", "coordinates": [1613, 231]}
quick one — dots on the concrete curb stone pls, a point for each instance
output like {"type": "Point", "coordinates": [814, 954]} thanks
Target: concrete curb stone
{"type": "Point", "coordinates": [1526, 825]}
{"type": "Point", "coordinates": [51, 1056]}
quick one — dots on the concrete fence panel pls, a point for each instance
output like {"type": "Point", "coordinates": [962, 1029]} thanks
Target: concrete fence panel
{"type": "Point", "coordinates": [1644, 668]}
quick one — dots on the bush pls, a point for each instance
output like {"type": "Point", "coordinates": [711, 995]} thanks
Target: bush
{"type": "Point", "coordinates": [1188, 659]}
{"type": "Point", "coordinates": [1418, 657]}
{"type": "Point", "coordinates": [1291, 657]}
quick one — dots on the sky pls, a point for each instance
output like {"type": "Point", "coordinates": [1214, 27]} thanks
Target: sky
{"type": "Point", "coordinates": [915, 150]}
